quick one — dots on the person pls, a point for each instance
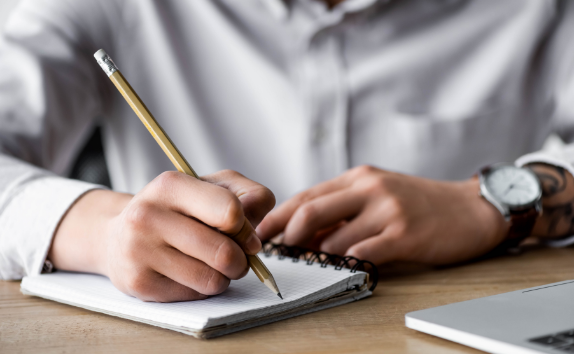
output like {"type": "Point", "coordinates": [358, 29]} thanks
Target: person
{"type": "Point", "coordinates": [367, 119]}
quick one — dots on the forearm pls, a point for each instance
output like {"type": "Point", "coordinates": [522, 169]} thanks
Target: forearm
{"type": "Point", "coordinates": [557, 219]}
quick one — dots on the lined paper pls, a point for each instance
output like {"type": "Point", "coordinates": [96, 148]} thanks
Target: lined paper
{"type": "Point", "coordinates": [245, 299]}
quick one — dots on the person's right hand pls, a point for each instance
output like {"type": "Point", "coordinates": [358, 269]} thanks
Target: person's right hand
{"type": "Point", "coordinates": [164, 244]}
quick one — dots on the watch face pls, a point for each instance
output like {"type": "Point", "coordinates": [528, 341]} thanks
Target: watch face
{"type": "Point", "coordinates": [513, 186]}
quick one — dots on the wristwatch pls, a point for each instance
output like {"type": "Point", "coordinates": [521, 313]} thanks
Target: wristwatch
{"type": "Point", "coordinates": [516, 192]}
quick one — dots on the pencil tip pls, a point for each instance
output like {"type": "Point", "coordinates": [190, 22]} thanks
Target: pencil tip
{"type": "Point", "coordinates": [279, 294]}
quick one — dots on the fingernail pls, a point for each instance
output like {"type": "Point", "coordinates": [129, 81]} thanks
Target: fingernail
{"type": "Point", "coordinates": [253, 244]}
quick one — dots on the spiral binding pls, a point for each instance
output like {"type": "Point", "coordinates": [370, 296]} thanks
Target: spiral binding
{"type": "Point", "coordinates": [309, 256]}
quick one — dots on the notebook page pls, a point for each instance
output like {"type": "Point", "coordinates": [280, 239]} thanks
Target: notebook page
{"type": "Point", "coordinates": [245, 298]}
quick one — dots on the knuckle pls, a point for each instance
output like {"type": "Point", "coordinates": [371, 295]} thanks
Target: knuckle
{"type": "Point", "coordinates": [138, 216]}
{"type": "Point", "coordinates": [357, 252]}
{"type": "Point", "coordinates": [225, 256]}
{"type": "Point", "coordinates": [165, 181]}
{"type": "Point", "coordinates": [231, 173]}
{"type": "Point", "coordinates": [265, 197]}
{"type": "Point", "coordinates": [395, 206]}
{"type": "Point", "coordinates": [215, 282]}
{"type": "Point", "coordinates": [363, 170]}
{"type": "Point", "coordinates": [227, 174]}
{"type": "Point", "coordinates": [307, 213]}
{"type": "Point", "coordinates": [398, 233]}
{"type": "Point", "coordinates": [401, 229]}
{"type": "Point", "coordinates": [233, 214]}
{"type": "Point", "coordinates": [303, 197]}
{"type": "Point", "coordinates": [373, 185]}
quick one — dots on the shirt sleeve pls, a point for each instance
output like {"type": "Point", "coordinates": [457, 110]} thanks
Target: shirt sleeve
{"type": "Point", "coordinates": [30, 211]}
{"type": "Point", "coordinates": [560, 72]}
{"type": "Point", "coordinates": [559, 157]}
{"type": "Point", "coordinates": [50, 95]}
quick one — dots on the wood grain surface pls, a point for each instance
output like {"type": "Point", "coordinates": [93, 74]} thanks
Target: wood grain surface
{"type": "Point", "coordinates": [373, 325]}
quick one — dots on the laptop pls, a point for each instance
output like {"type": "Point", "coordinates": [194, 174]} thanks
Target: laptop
{"type": "Point", "coordinates": [535, 320]}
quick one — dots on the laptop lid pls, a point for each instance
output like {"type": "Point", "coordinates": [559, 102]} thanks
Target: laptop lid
{"type": "Point", "coordinates": [534, 320]}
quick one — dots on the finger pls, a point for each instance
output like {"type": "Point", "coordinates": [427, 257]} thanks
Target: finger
{"type": "Point", "coordinates": [199, 241]}
{"type": "Point", "coordinates": [212, 204]}
{"type": "Point", "coordinates": [277, 220]}
{"type": "Point", "coordinates": [320, 213]}
{"type": "Point", "coordinates": [367, 224]}
{"type": "Point", "coordinates": [380, 249]}
{"type": "Point", "coordinates": [152, 286]}
{"type": "Point", "coordinates": [315, 243]}
{"type": "Point", "coordinates": [257, 200]}
{"type": "Point", "coordinates": [190, 272]}
{"type": "Point", "coordinates": [247, 239]}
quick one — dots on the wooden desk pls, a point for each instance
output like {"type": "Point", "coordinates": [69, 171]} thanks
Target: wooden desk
{"type": "Point", "coordinates": [373, 325]}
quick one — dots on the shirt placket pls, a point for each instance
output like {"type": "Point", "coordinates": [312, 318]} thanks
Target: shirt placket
{"type": "Point", "coordinates": [324, 87]}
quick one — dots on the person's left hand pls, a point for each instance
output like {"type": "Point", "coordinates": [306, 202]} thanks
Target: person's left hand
{"type": "Point", "coordinates": [383, 216]}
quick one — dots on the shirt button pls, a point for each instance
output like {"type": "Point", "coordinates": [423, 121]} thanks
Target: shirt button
{"type": "Point", "coordinates": [320, 135]}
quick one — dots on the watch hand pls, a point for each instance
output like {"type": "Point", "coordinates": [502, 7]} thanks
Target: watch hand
{"type": "Point", "coordinates": [516, 179]}
{"type": "Point", "coordinates": [509, 189]}
{"type": "Point", "coordinates": [512, 184]}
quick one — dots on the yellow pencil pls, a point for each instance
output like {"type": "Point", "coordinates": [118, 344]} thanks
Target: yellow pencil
{"type": "Point", "coordinates": [174, 155]}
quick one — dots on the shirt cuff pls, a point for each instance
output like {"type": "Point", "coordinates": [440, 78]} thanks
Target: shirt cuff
{"type": "Point", "coordinates": [29, 221]}
{"type": "Point", "coordinates": [550, 159]}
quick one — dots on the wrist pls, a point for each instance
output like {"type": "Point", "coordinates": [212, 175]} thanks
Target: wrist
{"type": "Point", "coordinates": [81, 240]}
{"type": "Point", "coordinates": [496, 227]}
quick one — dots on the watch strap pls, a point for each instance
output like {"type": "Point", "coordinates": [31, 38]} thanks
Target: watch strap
{"type": "Point", "coordinates": [521, 222]}
{"type": "Point", "coordinates": [521, 225]}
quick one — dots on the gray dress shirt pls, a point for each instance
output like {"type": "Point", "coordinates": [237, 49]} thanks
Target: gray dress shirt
{"type": "Point", "coordinates": [289, 93]}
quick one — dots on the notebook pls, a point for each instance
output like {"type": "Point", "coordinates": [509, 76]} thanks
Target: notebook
{"type": "Point", "coordinates": [305, 284]}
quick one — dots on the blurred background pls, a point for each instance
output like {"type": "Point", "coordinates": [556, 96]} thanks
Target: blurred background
{"type": "Point", "coordinates": [90, 165]}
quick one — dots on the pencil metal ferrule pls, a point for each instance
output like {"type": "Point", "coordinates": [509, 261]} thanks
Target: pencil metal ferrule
{"type": "Point", "coordinates": [106, 63]}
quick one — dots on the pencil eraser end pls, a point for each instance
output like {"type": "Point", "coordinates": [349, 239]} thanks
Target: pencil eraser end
{"type": "Point", "coordinates": [100, 54]}
{"type": "Point", "coordinates": [106, 63]}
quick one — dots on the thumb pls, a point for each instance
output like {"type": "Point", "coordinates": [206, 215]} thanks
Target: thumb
{"type": "Point", "coordinates": [247, 238]}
